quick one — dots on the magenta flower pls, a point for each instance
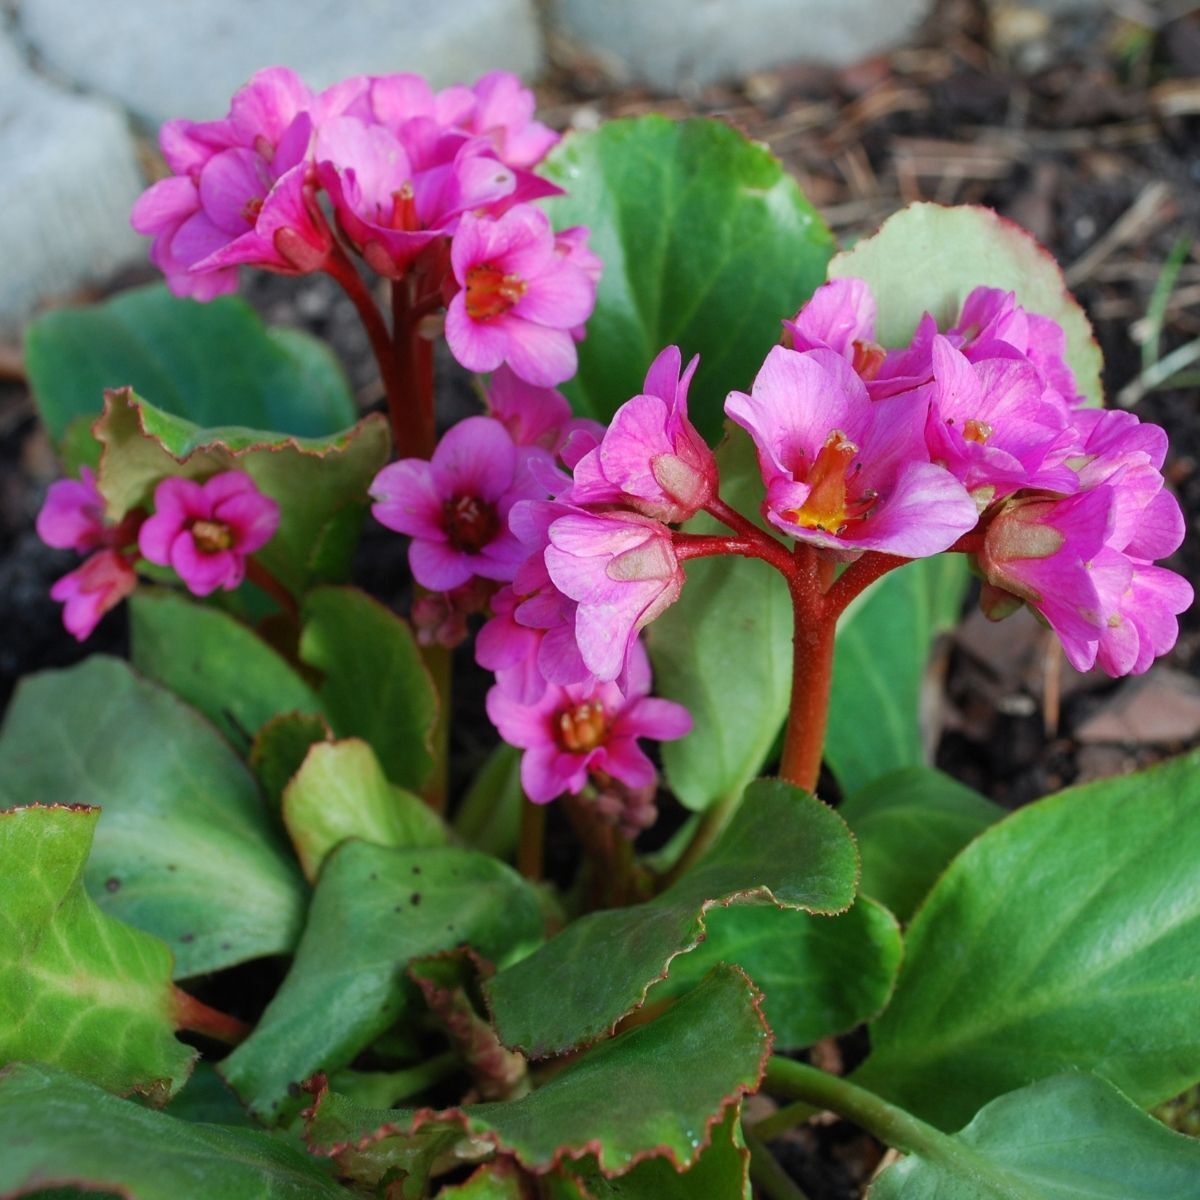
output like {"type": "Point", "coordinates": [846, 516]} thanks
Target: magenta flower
{"type": "Point", "coordinates": [842, 471]}
{"type": "Point", "coordinates": [533, 416]}
{"type": "Point", "coordinates": [652, 458]}
{"type": "Point", "coordinates": [519, 297]}
{"type": "Point", "coordinates": [510, 650]}
{"type": "Point", "coordinates": [621, 570]}
{"type": "Point", "coordinates": [587, 731]}
{"type": "Point", "coordinates": [205, 532]}
{"type": "Point", "coordinates": [72, 516]}
{"type": "Point", "coordinates": [840, 316]}
{"type": "Point", "coordinates": [89, 591]}
{"type": "Point", "coordinates": [455, 506]}
{"type": "Point", "coordinates": [501, 109]}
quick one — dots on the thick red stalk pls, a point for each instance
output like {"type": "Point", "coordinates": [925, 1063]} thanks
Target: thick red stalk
{"type": "Point", "coordinates": [196, 1017]}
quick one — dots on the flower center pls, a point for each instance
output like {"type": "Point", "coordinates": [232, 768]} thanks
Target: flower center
{"type": "Point", "coordinates": [251, 209]}
{"type": "Point", "coordinates": [491, 293]}
{"type": "Point", "coordinates": [828, 506]}
{"type": "Point", "coordinates": [211, 536]}
{"type": "Point", "coordinates": [404, 209]}
{"type": "Point", "coordinates": [976, 431]}
{"type": "Point", "coordinates": [868, 358]}
{"type": "Point", "coordinates": [582, 728]}
{"type": "Point", "coordinates": [470, 523]}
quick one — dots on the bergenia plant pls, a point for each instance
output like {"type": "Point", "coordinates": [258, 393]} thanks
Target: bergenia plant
{"type": "Point", "coordinates": [285, 913]}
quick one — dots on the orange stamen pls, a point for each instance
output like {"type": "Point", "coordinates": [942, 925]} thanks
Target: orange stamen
{"type": "Point", "coordinates": [491, 293]}
{"type": "Point", "coordinates": [581, 728]}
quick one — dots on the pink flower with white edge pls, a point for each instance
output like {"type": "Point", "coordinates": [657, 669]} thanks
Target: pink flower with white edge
{"type": "Point", "coordinates": [652, 458]}
{"type": "Point", "coordinates": [518, 300]}
{"type": "Point", "coordinates": [92, 589]}
{"type": "Point", "coordinates": [844, 472]}
{"type": "Point", "coordinates": [205, 532]}
{"type": "Point", "coordinates": [621, 570]}
{"type": "Point", "coordinates": [455, 506]}
{"type": "Point", "coordinates": [72, 516]}
{"type": "Point", "coordinates": [587, 731]}
{"type": "Point", "coordinates": [840, 316]}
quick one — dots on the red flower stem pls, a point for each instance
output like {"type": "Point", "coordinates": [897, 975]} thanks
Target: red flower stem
{"type": "Point", "coordinates": [339, 267]}
{"type": "Point", "coordinates": [717, 507]}
{"type": "Point", "coordinates": [414, 427]}
{"type": "Point", "coordinates": [705, 545]}
{"type": "Point", "coordinates": [196, 1017]}
{"type": "Point", "coordinates": [270, 583]}
{"type": "Point", "coordinates": [857, 577]}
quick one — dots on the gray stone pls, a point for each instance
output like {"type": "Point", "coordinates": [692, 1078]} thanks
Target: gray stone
{"type": "Point", "coordinates": [70, 178]}
{"type": "Point", "coordinates": [185, 58]}
{"type": "Point", "coordinates": [672, 43]}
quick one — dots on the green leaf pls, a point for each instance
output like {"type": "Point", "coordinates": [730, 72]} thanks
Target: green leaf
{"type": "Point", "coordinates": [724, 650]}
{"type": "Point", "coordinates": [184, 848]}
{"type": "Point", "coordinates": [928, 258]}
{"type": "Point", "coordinates": [215, 663]}
{"type": "Point", "coordinates": [1066, 936]}
{"type": "Point", "coordinates": [58, 1128]}
{"type": "Point", "coordinates": [376, 685]}
{"type": "Point", "coordinates": [721, 1173]}
{"type": "Point", "coordinates": [78, 988]}
{"type": "Point", "coordinates": [279, 750]}
{"type": "Point", "coordinates": [320, 483]}
{"type": "Point", "coordinates": [341, 792]}
{"type": "Point", "coordinates": [1072, 1137]}
{"type": "Point", "coordinates": [373, 911]}
{"type": "Point", "coordinates": [909, 825]}
{"type": "Point", "coordinates": [489, 816]}
{"type": "Point", "coordinates": [707, 243]}
{"type": "Point", "coordinates": [883, 644]}
{"type": "Point", "coordinates": [208, 1098]}
{"type": "Point", "coordinates": [782, 847]}
{"type": "Point", "coordinates": [820, 976]}
{"type": "Point", "coordinates": [653, 1092]}
{"type": "Point", "coordinates": [499, 1180]}
{"type": "Point", "coordinates": [215, 364]}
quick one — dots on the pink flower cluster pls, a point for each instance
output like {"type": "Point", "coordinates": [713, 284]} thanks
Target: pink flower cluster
{"type": "Point", "coordinates": [974, 430]}
{"type": "Point", "coordinates": [203, 531]}
{"type": "Point", "coordinates": [421, 183]}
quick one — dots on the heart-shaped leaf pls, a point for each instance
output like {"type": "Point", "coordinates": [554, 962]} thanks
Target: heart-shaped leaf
{"type": "Point", "coordinates": [376, 685]}
{"type": "Point", "coordinates": [782, 847]}
{"type": "Point", "coordinates": [184, 848]}
{"type": "Point", "coordinates": [79, 989]}
{"type": "Point", "coordinates": [655, 1091]}
{"type": "Point", "coordinates": [59, 1130]}
{"type": "Point", "coordinates": [279, 750]}
{"type": "Point", "coordinates": [320, 483]}
{"type": "Point", "coordinates": [707, 243]}
{"type": "Point", "coordinates": [1071, 1137]}
{"type": "Point", "coordinates": [928, 258]}
{"type": "Point", "coordinates": [909, 824]}
{"type": "Point", "coordinates": [374, 910]}
{"type": "Point", "coordinates": [1066, 936]}
{"type": "Point", "coordinates": [215, 663]}
{"type": "Point", "coordinates": [214, 364]}
{"type": "Point", "coordinates": [341, 792]}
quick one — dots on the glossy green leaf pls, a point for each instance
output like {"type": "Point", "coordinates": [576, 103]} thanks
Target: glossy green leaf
{"type": "Point", "coordinates": [1065, 936]}
{"type": "Point", "coordinates": [883, 643]}
{"type": "Point", "coordinates": [724, 650]}
{"type": "Point", "coordinates": [206, 1097]}
{"type": "Point", "coordinates": [489, 816]}
{"type": "Point", "coordinates": [679, 1074]}
{"type": "Point", "coordinates": [374, 910]}
{"type": "Point", "coordinates": [184, 848]}
{"type": "Point", "coordinates": [819, 976]}
{"type": "Point", "coordinates": [1071, 1137]}
{"type": "Point", "coordinates": [214, 662]}
{"type": "Point", "coordinates": [499, 1180]}
{"type": "Point", "coordinates": [341, 792]}
{"type": "Point", "coordinates": [78, 988]}
{"type": "Point", "coordinates": [721, 1173]}
{"type": "Point", "coordinates": [215, 364]}
{"type": "Point", "coordinates": [909, 824]}
{"type": "Point", "coordinates": [279, 750]}
{"type": "Point", "coordinates": [320, 483]}
{"type": "Point", "coordinates": [56, 1128]}
{"type": "Point", "coordinates": [375, 686]}
{"type": "Point", "coordinates": [782, 847]}
{"type": "Point", "coordinates": [707, 243]}
{"type": "Point", "coordinates": [928, 258]}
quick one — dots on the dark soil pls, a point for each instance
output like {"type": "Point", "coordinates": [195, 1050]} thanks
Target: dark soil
{"type": "Point", "coordinates": [1087, 132]}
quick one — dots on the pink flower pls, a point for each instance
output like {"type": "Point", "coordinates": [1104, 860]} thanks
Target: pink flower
{"type": "Point", "coordinates": [510, 650]}
{"type": "Point", "coordinates": [621, 570]}
{"type": "Point", "coordinates": [72, 517]}
{"type": "Point", "coordinates": [652, 459]}
{"type": "Point", "coordinates": [842, 471]}
{"type": "Point", "coordinates": [440, 618]}
{"type": "Point", "coordinates": [519, 297]}
{"type": "Point", "coordinates": [840, 316]}
{"type": "Point", "coordinates": [533, 416]}
{"type": "Point", "coordinates": [587, 731]}
{"type": "Point", "coordinates": [455, 506]}
{"type": "Point", "coordinates": [501, 110]}
{"type": "Point", "coordinates": [89, 591]}
{"type": "Point", "coordinates": [205, 532]}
